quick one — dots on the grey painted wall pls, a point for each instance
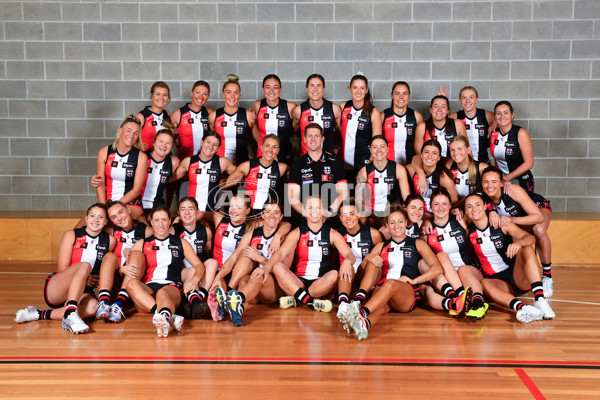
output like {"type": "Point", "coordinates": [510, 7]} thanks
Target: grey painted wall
{"type": "Point", "coordinates": [69, 71]}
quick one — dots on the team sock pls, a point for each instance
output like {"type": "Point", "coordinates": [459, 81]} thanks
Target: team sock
{"type": "Point", "coordinates": [477, 301]}
{"type": "Point", "coordinates": [46, 314]}
{"type": "Point", "coordinates": [104, 295]}
{"type": "Point", "coordinates": [193, 297]}
{"type": "Point", "coordinates": [516, 304]}
{"type": "Point", "coordinates": [460, 290]}
{"type": "Point", "coordinates": [361, 296]}
{"type": "Point", "coordinates": [537, 289]}
{"type": "Point", "coordinates": [303, 297]}
{"type": "Point", "coordinates": [365, 312]}
{"type": "Point", "coordinates": [547, 270]}
{"type": "Point", "coordinates": [448, 304]}
{"type": "Point", "coordinates": [70, 307]}
{"type": "Point", "coordinates": [448, 291]}
{"type": "Point", "coordinates": [166, 313]}
{"type": "Point", "coordinates": [153, 309]}
{"type": "Point", "coordinates": [122, 298]}
{"type": "Point", "coordinates": [343, 297]}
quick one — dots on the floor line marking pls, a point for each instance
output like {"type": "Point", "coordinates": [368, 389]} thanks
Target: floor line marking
{"type": "Point", "coordinates": [529, 384]}
{"type": "Point", "coordinates": [564, 301]}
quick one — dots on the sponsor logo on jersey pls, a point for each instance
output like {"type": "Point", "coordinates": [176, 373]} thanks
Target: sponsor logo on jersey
{"type": "Point", "coordinates": [190, 120]}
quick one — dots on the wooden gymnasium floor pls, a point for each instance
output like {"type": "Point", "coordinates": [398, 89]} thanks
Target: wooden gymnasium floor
{"type": "Point", "coordinates": [299, 353]}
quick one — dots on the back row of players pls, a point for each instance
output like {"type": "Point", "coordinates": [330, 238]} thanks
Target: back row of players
{"type": "Point", "coordinates": [138, 179]}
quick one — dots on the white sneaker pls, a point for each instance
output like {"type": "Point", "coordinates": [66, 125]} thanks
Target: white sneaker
{"type": "Point", "coordinates": [28, 314]}
{"type": "Point", "coordinates": [177, 322]}
{"type": "Point", "coordinates": [103, 310]}
{"type": "Point", "coordinates": [116, 313]}
{"type": "Point", "coordinates": [74, 323]}
{"type": "Point", "coordinates": [287, 302]}
{"type": "Point", "coordinates": [322, 305]}
{"type": "Point", "coordinates": [544, 307]}
{"type": "Point", "coordinates": [356, 303]}
{"type": "Point", "coordinates": [548, 287]}
{"type": "Point", "coordinates": [357, 322]}
{"type": "Point", "coordinates": [161, 324]}
{"type": "Point", "coordinates": [341, 312]}
{"type": "Point", "coordinates": [528, 314]}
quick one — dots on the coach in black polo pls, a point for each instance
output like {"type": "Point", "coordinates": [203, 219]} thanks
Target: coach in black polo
{"type": "Point", "coordinates": [317, 173]}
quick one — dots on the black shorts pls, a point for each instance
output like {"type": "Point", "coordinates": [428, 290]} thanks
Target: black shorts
{"type": "Point", "coordinates": [157, 286]}
{"type": "Point", "coordinates": [135, 202]}
{"type": "Point", "coordinates": [526, 181]}
{"type": "Point", "coordinates": [88, 289]}
{"type": "Point", "coordinates": [540, 201]}
{"type": "Point", "coordinates": [507, 276]}
{"type": "Point", "coordinates": [307, 282]}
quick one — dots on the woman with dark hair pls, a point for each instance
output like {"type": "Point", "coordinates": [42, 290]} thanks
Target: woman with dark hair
{"type": "Point", "coordinates": [153, 116]}
{"type": "Point", "coordinates": [317, 110]}
{"type": "Point", "coordinates": [274, 116]}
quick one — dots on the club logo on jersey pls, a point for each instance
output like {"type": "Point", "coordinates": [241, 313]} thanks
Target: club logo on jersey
{"type": "Point", "coordinates": [498, 244]}
{"type": "Point", "coordinates": [326, 251]}
{"type": "Point", "coordinates": [326, 178]}
{"type": "Point", "coordinates": [361, 126]}
{"type": "Point", "coordinates": [509, 152]}
{"type": "Point", "coordinates": [190, 120]}
{"type": "Point", "coordinates": [129, 173]}
{"type": "Point", "coordinates": [408, 253]}
{"type": "Point", "coordinates": [327, 169]}
{"type": "Point", "coordinates": [281, 123]}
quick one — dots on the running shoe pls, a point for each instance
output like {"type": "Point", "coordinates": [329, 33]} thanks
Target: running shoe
{"type": "Point", "coordinates": [235, 307]}
{"type": "Point", "coordinates": [221, 297]}
{"type": "Point", "coordinates": [357, 322]}
{"type": "Point", "coordinates": [544, 307]}
{"type": "Point", "coordinates": [528, 314]}
{"type": "Point", "coordinates": [177, 322]}
{"type": "Point", "coordinates": [341, 315]}
{"type": "Point", "coordinates": [28, 314]}
{"type": "Point", "coordinates": [213, 305]}
{"type": "Point", "coordinates": [548, 287]}
{"type": "Point", "coordinates": [322, 305]}
{"type": "Point", "coordinates": [74, 324]}
{"type": "Point", "coordinates": [477, 313]}
{"type": "Point", "coordinates": [460, 304]}
{"type": "Point", "coordinates": [287, 302]}
{"type": "Point", "coordinates": [103, 310]}
{"type": "Point", "coordinates": [162, 325]}
{"type": "Point", "coordinates": [116, 313]}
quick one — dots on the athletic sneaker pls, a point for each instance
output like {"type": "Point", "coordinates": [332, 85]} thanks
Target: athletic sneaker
{"type": "Point", "coordinates": [477, 313]}
{"type": "Point", "coordinates": [548, 287]}
{"type": "Point", "coordinates": [177, 322]}
{"type": "Point", "coordinates": [28, 314]}
{"type": "Point", "coordinates": [162, 325]}
{"type": "Point", "coordinates": [544, 307]}
{"type": "Point", "coordinates": [341, 312]}
{"type": "Point", "coordinates": [529, 313]}
{"type": "Point", "coordinates": [214, 307]}
{"type": "Point", "coordinates": [74, 323]}
{"type": "Point", "coordinates": [235, 307]}
{"type": "Point", "coordinates": [461, 303]}
{"type": "Point", "coordinates": [116, 313]}
{"type": "Point", "coordinates": [103, 310]}
{"type": "Point", "coordinates": [200, 310]}
{"type": "Point", "coordinates": [287, 302]}
{"type": "Point", "coordinates": [357, 322]}
{"type": "Point", "coordinates": [322, 305]}
{"type": "Point", "coordinates": [221, 297]}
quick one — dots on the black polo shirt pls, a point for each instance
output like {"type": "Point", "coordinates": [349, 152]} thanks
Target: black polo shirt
{"type": "Point", "coordinates": [317, 177]}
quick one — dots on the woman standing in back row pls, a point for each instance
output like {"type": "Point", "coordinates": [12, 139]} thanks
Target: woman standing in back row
{"type": "Point", "coordinates": [153, 116]}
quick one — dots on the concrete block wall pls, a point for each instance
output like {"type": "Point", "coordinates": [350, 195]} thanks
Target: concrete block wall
{"type": "Point", "coordinates": [70, 70]}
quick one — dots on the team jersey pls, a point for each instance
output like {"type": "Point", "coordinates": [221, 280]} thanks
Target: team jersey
{"type": "Point", "coordinates": [433, 182]}
{"type": "Point", "coordinates": [323, 116]}
{"type": "Point", "coordinates": [400, 259]}
{"type": "Point", "coordinates": [444, 138]}
{"type": "Point", "coordinates": [382, 186]}
{"type": "Point", "coordinates": [452, 240]}
{"type": "Point", "coordinates": [119, 170]}
{"type": "Point", "coordinates": [89, 249]}
{"type": "Point", "coordinates": [197, 239]}
{"type": "Point", "coordinates": [477, 133]}
{"type": "Point", "coordinates": [313, 253]}
{"type": "Point", "coordinates": [507, 207]}
{"type": "Point", "coordinates": [234, 131]}
{"type": "Point", "coordinates": [361, 243]}
{"type": "Point", "coordinates": [356, 136]}
{"type": "Point", "coordinates": [490, 245]}
{"type": "Point", "coordinates": [507, 155]}
{"type": "Point", "coordinates": [262, 183]}
{"type": "Point", "coordinates": [192, 126]}
{"type": "Point", "coordinates": [413, 231]}
{"type": "Point", "coordinates": [204, 182]}
{"type": "Point", "coordinates": [462, 183]}
{"type": "Point", "coordinates": [227, 239]}
{"type": "Point", "coordinates": [261, 242]}
{"type": "Point", "coordinates": [399, 131]}
{"type": "Point", "coordinates": [157, 178]}
{"type": "Point", "coordinates": [164, 258]}
{"type": "Point", "coordinates": [126, 239]}
{"type": "Point", "coordinates": [152, 124]}
{"type": "Point", "coordinates": [276, 120]}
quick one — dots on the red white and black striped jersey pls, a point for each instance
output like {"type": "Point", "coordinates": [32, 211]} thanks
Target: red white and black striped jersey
{"type": "Point", "coordinates": [452, 240]}
{"type": "Point", "coordinates": [197, 239]}
{"type": "Point", "coordinates": [126, 239]}
{"type": "Point", "coordinates": [433, 182]}
{"type": "Point", "coordinates": [192, 126]}
{"type": "Point", "coordinates": [413, 231]}
{"type": "Point", "coordinates": [382, 186]}
{"type": "Point", "coordinates": [477, 132]}
{"type": "Point", "coordinates": [227, 238]}
{"type": "Point", "coordinates": [399, 131]}
{"type": "Point", "coordinates": [120, 172]}
{"type": "Point", "coordinates": [356, 136]}
{"type": "Point", "coordinates": [506, 150]}
{"type": "Point", "coordinates": [164, 258]}
{"type": "Point", "coordinates": [462, 183]}
{"type": "Point", "coordinates": [490, 245]}
{"type": "Point", "coordinates": [157, 178]}
{"type": "Point", "coordinates": [89, 249]}
{"type": "Point", "coordinates": [313, 253]}
{"type": "Point", "coordinates": [204, 182]}
{"type": "Point", "coordinates": [262, 183]}
{"type": "Point", "coordinates": [360, 243]}
{"type": "Point", "coordinates": [276, 120]}
{"type": "Point", "coordinates": [400, 259]}
{"type": "Point", "coordinates": [323, 116]}
{"type": "Point", "coordinates": [234, 131]}
{"type": "Point", "coordinates": [152, 123]}
{"type": "Point", "coordinates": [444, 138]}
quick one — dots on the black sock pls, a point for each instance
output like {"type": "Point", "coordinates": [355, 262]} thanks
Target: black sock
{"type": "Point", "coordinates": [361, 295]}
{"type": "Point", "coordinates": [243, 296]}
{"type": "Point", "coordinates": [516, 304]}
{"type": "Point", "coordinates": [547, 270]}
{"type": "Point", "coordinates": [104, 295]}
{"type": "Point", "coordinates": [153, 309]}
{"type": "Point", "coordinates": [122, 298]}
{"type": "Point", "coordinates": [303, 297]}
{"type": "Point", "coordinates": [477, 300]}
{"type": "Point", "coordinates": [448, 304]}
{"type": "Point", "coordinates": [537, 289]}
{"type": "Point", "coordinates": [70, 307]}
{"type": "Point", "coordinates": [46, 314]}
{"type": "Point", "coordinates": [448, 291]}
{"type": "Point", "coordinates": [203, 293]}
{"type": "Point", "coordinates": [193, 297]}
{"type": "Point", "coordinates": [460, 290]}
{"type": "Point", "coordinates": [166, 312]}
{"type": "Point", "coordinates": [365, 312]}
{"type": "Point", "coordinates": [343, 297]}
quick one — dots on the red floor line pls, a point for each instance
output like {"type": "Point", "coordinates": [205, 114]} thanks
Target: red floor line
{"type": "Point", "coordinates": [537, 395]}
{"type": "Point", "coordinates": [284, 359]}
